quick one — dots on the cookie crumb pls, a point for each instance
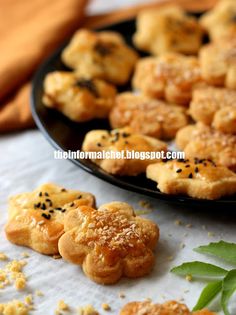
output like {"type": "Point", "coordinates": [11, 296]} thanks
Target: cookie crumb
{"type": "Point", "coordinates": [121, 295]}
{"type": "Point", "coordinates": [106, 307]}
{"type": "Point", "coordinates": [3, 257]}
{"type": "Point", "coordinates": [20, 283]}
{"type": "Point", "coordinates": [145, 204]}
{"type": "Point", "coordinates": [178, 222]}
{"type": "Point", "coordinates": [189, 278]}
{"type": "Point", "coordinates": [56, 256]}
{"type": "Point", "coordinates": [25, 255]}
{"type": "Point", "coordinates": [39, 293]}
{"type": "Point", "coordinates": [87, 310]}
{"type": "Point", "coordinates": [62, 306]}
{"type": "Point", "coordinates": [29, 299]}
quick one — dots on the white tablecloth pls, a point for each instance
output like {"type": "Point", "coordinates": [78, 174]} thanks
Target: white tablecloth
{"type": "Point", "coordinates": [27, 161]}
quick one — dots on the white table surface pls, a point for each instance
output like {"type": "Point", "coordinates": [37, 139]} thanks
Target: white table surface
{"type": "Point", "coordinates": [27, 161]}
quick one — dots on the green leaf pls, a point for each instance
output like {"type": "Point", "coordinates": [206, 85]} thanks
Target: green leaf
{"type": "Point", "coordinates": [223, 250]}
{"type": "Point", "coordinates": [199, 269]}
{"type": "Point", "coordinates": [228, 288]}
{"type": "Point", "coordinates": [208, 294]}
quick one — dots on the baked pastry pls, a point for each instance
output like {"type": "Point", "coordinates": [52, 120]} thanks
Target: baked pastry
{"type": "Point", "coordinates": [198, 178]}
{"type": "Point", "coordinates": [218, 62]}
{"type": "Point", "coordinates": [102, 55]}
{"type": "Point", "coordinates": [170, 76]}
{"type": "Point", "coordinates": [78, 99]}
{"type": "Point", "coordinates": [110, 242]}
{"type": "Point", "coordinates": [123, 140]}
{"type": "Point", "coordinates": [167, 29]}
{"type": "Point", "coordinates": [147, 116]}
{"type": "Point", "coordinates": [221, 20]}
{"type": "Point", "coordinates": [204, 142]}
{"type": "Point", "coordinates": [167, 308]}
{"type": "Point", "coordinates": [36, 219]}
{"type": "Point", "coordinates": [215, 107]}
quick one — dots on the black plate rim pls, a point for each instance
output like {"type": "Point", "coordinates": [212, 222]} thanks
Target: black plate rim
{"type": "Point", "coordinates": [116, 181]}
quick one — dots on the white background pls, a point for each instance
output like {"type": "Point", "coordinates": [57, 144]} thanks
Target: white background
{"type": "Point", "coordinates": [27, 161]}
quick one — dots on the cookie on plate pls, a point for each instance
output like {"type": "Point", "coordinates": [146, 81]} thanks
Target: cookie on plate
{"type": "Point", "coordinates": [167, 29]}
{"type": "Point", "coordinates": [218, 62]}
{"type": "Point", "coordinates": [167, 308]}
{"type": "Point", "coordinates": [198, 178]}
{"type": "Point", "coordinates": [123, 140]}
{"type": "Point", "coordinates": [36, 219]}
{"type": "Point", "coordinates": [102, 55]}
{"type": "Point", "coordinates": [78, 99]}
{"type": "Point", "coordinates": [170, 76]}
{"type": "Point", "coordinates": [147, 116]}
{"type": "Point", "coordinates": [221, 20]}
{"type": "Point", "coordinates": [204, 142]}
{"type": "Point", "coordinates": [110, 242]}
{"type": "Point", "coordinates": [215, 107]}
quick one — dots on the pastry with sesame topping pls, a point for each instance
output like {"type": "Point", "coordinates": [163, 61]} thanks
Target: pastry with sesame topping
{"type": "Point", "coordinates": [204, 142]}
{"type": "Point", "coordinates": [167, 29]}
{"type": "Point", "coordinates": [218, 62]}
{"type": "Point", "coordinates": [170, 76]}
{"type": "Point", "coordinates": [103, 55]}
{"type": "Point", "coordinates": [110, 242]}
{"type": "Point", "coordinates": [215, 107]}
{"type": "Point", "coordinates": [221, 20]}
{"type": "Point", "coordinates": [122, 140]}
{"type": "Point", "coordinates": [167, 308]}
{"type": "Point", "coordinates": [79, 99]}
{"type": "Point", "coordinates": [202, 178]}
{"type": "Point", "coordinates": [147, 116]}
{"type": "Point", "coordinates": [36, 219]}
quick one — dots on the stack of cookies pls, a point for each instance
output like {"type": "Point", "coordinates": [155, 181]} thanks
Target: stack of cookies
{"type": "Point", "coordinates": [185, 90]}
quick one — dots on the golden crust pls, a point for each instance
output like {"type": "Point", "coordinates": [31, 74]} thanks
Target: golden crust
{"type": "Point", "coordinates": [101, 55]}
{"type": "Point", "coordinates": [110, 242]}
{"type": "Point", "coordinates": [77, 98]}
{"type": "Point", "coordinates": [220, 21]}
{"type": "Point", "coordinates": [36, 219]}
{"type": "Point", "coordinates": [167, 308]}
{"type": "Point", "coordinates": [147, 116]}
{"type": "Point", "coordinates": [170, 76]}
{"type": "Point", "coordinates": [198, 178]}
{"type": "Point", "coordinates": [122, 140]}
{"type": "Point", "coordinates": [204, 142]}
{"type": "Point", "coordinates": [167, 29]}
{"type": "Point", "coordinates": [215, 107]}
{"type": "Point", "coordinates": [218, 62]}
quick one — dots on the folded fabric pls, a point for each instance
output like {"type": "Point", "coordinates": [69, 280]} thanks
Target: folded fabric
{"type": "Point", "coordinates": [30, 31]}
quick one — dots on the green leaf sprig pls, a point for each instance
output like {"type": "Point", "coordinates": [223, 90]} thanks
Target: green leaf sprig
{"type": "Point", "coordinates": [222, 281]}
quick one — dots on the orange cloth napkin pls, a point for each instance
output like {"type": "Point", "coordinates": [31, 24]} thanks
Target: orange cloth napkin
{"type": "Point", "coordinates": [30, 30]}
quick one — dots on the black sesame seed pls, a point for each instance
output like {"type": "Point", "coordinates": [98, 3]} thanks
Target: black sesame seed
{"type": "Point", "coordinates": [46, 194]}
{"type": "Point", "coordinates": [99, 144]}
{"type": "Point", "coordinates": [51, 211]}
{"type": "Point", "coordinates": [63, 210]}
{"type": "Point", "coordinates": [40, 194]}
{"type": "Point", "coordinates": [125, 134]}
{"type": "Point", "coordinates": [58, 208]}
{"type": "Point", "coordinates": [63, 190]}
{"type": "Point", "coordinates": [72, 204]}
{"type": "Point", "coordinates": [188, 165]}
{"type": "Point", "coordinates": [79, 197]}
{"type": "Point", "coordinates": [179, 170]}
{"type": "Point", "coordinates": [205, 164]}
{"type": "Point", "coordinates": [104, 137]}
{"type": "Point", "coordinates": [43, 207]}
{"type": "Point", "coordinates": [190, 175]}
{"type": "Point", "coordinates": [126, 142]}
{"type": "Point", "coordinates": [37, 205]}
{"type": "Point", "coordinates": [46, 216]}
{"type": "Point", "coordinates": [196, 170]}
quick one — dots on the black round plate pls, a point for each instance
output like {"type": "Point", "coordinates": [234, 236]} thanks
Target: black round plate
{"type": "Point", "coordinates": [66, 135]}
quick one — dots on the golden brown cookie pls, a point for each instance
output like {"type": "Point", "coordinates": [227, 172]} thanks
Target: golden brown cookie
{"type": "Point", "coordinates": [122, 140]}
{"type": "Point", "coordinates": [78, 99]}
{"type": "Point", "coordinates": [102, 55]}
{"type": "Point", "coordinates": [215, 107]}
{"type": "Point", "coordinates": [147, 116]}
{"type": "Point", "coordinates": [170, 76]}
{"type": "Point", "coordinates": [198, 178]}
{"type": "Point", "coordinates": [218, 62]}
{"type": "Point", "coordinates": [206, 143]}
{"type": "Point", "coordinates": [167, 29]}
{"type": "Point", "coordinates": [110, 242]}
{"type": "Point", "coordinates": [221, 20]}
{"type": "Point", "coordinates": [36, 219]}
{"type": "Point", "coordinates": [167, 308]}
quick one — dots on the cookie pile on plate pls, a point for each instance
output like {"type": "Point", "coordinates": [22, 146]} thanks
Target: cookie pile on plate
{"type": "Point", "coordinates": [185, 90]}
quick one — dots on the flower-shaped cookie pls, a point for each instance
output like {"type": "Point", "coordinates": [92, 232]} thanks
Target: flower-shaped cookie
{"type": "Point", "coordinates": [218, 62]}
{"type": "Point", "coordinates": [110, 242]}
{"type": "Point", "coordinates": [167, 29]}
{"type": "Point", "coordinates": [79, 99]}
{"type": "Point", "coordinates": [36, 219]}
{"type": "Point", "coordinates": [221, 20]}
{"type": "Point", "coordinates": [103, 55]}
{"type": "Point", "coordinates": [167, 308]}
{"type": "Point", "coordinates": [170, 76]}
{"type": "Point", "coordinates": [215, 107]}
{"type": "Point", "coordinates": [147, 116]}
{"type": "Point", "coordinates": [125, 141]}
